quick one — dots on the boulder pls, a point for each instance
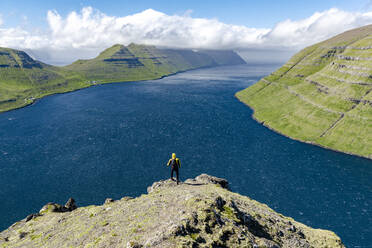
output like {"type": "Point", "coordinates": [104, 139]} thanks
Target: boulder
{"type": "Point", "coordinates": [204, 178]}
{"type": "Point", "coordinates": [57, 208]}
{"type": "Point", "coordinates": [31, 216]}
{"type": "Point", "coordinates": [70, 205]}
{"type": "Point", "coordinates": [109, 200]}
{"type": "Point", "coordinates": [52, 207]}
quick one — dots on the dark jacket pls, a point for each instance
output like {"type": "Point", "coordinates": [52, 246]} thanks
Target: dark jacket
{"type": "Point", "coordinates": [178, 162]}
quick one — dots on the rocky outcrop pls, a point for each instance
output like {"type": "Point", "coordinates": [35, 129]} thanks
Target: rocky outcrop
{"type": "Point", "coordinates": [200, 212]}
{"type": "Point", "coordinates": [204, 178]}
{"type": "Point", "coordinates": [54, 207]}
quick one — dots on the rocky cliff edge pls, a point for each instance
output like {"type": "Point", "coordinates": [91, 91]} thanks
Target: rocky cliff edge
{"type": "Point", "coordinates": [200, 212]}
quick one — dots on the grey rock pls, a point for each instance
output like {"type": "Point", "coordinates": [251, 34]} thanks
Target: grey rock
{"type": "Point", "coordinates": [204, 178]}
{"type": "Point", "coordinates": [22, 235]}
{"type": "Point", "coordinates": [57, 208]}
{"type": "Point", "coordinates": [220, 202]}
{"type": "Point", "coordinates": [292, 228]}
{"type": "Point", "coordinates": [52, 207]}
{"type": "Point", "coordinates": [109, 200]}
{"type": "Point", "coordinates": [126, 198]}
{"type": "Point", "coordinates": [70, 205]}
{"type": "Point", "coordinates": [31, 216]}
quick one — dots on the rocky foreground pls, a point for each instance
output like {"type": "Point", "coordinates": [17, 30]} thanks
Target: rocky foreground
{"type": "Point", "coordinates": [200, 212]}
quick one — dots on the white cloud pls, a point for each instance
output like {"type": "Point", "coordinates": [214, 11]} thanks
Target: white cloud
{"type": "Point", "coordinates": [22, 39]}
{"type": "Point", "coordinates": [319, 26]}
{"type": "Point", "coordinates": [85, 34]}
{"type": "Point", "coordinates": [91, 28]}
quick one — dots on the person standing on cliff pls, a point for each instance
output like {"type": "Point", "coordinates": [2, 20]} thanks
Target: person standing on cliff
{"type": "Point", "coordinates": [175, 164]}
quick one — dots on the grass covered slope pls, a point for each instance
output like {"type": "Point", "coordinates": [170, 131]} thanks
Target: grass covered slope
{"type": "Point", "coordinates": [22, 79]}
{"type": "Point", "coordinates": [198, 213]}
{"type": "Point", "coordinates": [141, 62]}
{"type": "Point", "coordinates": [322, 95]}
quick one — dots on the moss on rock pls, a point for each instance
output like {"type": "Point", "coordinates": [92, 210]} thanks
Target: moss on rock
{"type": "Point", "coordinates": [197, 213]}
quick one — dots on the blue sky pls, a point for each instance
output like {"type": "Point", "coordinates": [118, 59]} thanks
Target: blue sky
{"type": "Point", "coordinates": [260, 14]}
{"type": "Point", "coordinates": [60, 32]}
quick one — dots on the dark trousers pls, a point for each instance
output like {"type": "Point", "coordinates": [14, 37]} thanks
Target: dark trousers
{"type": "Point", "coordinates": [175, 169]}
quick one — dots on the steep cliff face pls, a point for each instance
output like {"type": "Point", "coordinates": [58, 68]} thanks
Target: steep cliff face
{"type": "Point", "coordinates": [200, 212]}
{"type": "Point", "coordinates": [322, 95]}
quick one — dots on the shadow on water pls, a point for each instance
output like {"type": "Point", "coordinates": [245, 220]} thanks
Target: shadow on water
{"type": "Point", "coordinates": [113, 140]}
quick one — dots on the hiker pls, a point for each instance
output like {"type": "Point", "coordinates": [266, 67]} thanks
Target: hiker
{"type": "Point", "coordinates": [175, 164]}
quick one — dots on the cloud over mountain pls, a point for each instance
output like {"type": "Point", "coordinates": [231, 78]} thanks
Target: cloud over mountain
{"type": "Point", "coordinates": [92, 28]}
{"type": "Point", "coordinates": [85, 33]}
{"type": "Point", "coordinates": [318, 27]}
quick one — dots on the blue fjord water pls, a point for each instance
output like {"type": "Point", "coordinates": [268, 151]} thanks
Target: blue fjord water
{"type": "Point", "coordinates": [113, 141]}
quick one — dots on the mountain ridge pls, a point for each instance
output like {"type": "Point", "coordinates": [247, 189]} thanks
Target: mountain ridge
{"type": "Point", "coordinates": [23, 80]}
{"type": "Point", "coordinates": [322, 95]}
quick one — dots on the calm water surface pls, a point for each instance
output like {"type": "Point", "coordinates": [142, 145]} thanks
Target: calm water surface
{"type": "Point", "coordinates": [113, 141]}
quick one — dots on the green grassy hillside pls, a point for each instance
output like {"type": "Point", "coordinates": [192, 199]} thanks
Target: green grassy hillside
{"type": "Point", "coordinates": [140, 62]}
{"type": "Point", "coordinates": [23, 80]}
{"type": "Point", "coordinates": [322, 95]}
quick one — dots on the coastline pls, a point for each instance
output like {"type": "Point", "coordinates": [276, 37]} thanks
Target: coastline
{"type": "Point", "coordinates": [109, 82]}
{"type": "Point", "coordinates": [302, 141]}
{"type": "Point", "coordinates": [175, 73]}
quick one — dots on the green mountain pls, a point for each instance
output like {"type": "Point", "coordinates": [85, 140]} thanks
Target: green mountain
{"type": "Point", "coordinates": [322, 95]}
{"type": "Point", "coordinates": [23, 80]}
{"type": "Point", "coordinates": [201, 212]}
{"type": "Point", "coordinates": [140, 62]}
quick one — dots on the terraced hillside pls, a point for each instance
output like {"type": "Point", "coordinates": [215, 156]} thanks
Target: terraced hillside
{"type": "Point", "coordinates": [140, 62]}
{"type": "Point", "coordinates": [322, 95]}
{"type": "Point", "coordinates": [23, 80]}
